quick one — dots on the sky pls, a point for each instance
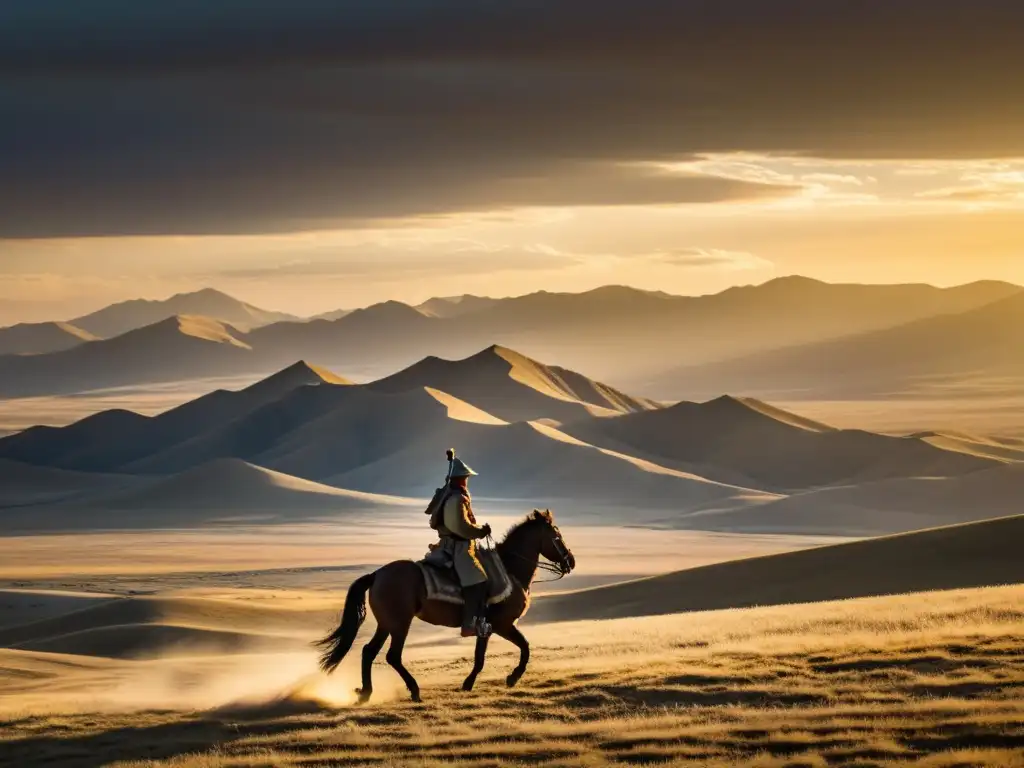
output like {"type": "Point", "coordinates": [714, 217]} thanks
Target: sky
{"type": "Point", "coordinates": [311, 155]}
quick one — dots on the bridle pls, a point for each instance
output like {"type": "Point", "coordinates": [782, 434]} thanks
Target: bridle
{"type": "Point", "coordinates": [559, 570]}
{"type": "Point", "coordinates": [565, 559]}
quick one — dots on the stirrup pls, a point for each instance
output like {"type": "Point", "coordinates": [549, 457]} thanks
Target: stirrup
{"type": "Point", "coordinates": [483, 627]}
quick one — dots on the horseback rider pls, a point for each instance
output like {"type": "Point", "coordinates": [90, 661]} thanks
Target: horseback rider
{"type": "Point", "coordinates": [459, 533]}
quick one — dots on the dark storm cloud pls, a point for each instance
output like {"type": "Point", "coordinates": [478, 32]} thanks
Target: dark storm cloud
{"type": "Point", "coordinates": [227, 116]}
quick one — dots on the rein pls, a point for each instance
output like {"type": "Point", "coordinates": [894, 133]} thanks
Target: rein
{"type": "Point", "coordinates": [551, 568]}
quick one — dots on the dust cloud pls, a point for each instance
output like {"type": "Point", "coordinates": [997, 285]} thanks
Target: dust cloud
{"type": "Point", "coordinates": [235, 685]}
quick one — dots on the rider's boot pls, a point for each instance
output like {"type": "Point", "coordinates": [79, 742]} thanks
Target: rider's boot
{"type": "Point", "coordinates": [483, 627]}
{"type": "Point", "coordinates": [474, 609]}
{"type": "Point", "coordinates": [468, 611]}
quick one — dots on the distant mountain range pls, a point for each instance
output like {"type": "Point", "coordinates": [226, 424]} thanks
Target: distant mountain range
{"type": "Point", "coordinates": [791, 337]}
{"type": "Point", "coordinates": [37, 338]}
{"type": "Point", "coordinates": [130, 315]}
{"type": "Point", "coordinates": [539, 435]}
{"type": "Point", "coordinates": [118, 319]}
{"type": "Point", "coordinates": [981, 346]}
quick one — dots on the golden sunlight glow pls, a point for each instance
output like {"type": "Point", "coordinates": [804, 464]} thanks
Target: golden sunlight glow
{"type": "Point", "coordinates": [866, 221]}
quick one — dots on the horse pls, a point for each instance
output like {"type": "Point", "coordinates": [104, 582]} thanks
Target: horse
{"type": "Point", "coordinates": [398, 594]}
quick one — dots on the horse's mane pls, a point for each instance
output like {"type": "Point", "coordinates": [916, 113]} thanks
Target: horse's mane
{"type": "Point", "coordinates": [533, 517]}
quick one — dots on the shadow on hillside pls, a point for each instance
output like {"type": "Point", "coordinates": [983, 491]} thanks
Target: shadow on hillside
{"type": "Point", "coordinates": [158, 742]}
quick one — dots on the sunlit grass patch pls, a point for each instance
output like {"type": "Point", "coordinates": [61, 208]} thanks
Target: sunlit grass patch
{"type": "Point", "coordinates": [927, 680]}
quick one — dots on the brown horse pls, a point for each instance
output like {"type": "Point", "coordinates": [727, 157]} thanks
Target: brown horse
{"type": "Point", "coordinates": [398, 595]}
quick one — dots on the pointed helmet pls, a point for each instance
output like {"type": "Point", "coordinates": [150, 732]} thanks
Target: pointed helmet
{"type": "Point", "coordinates": [461, 469]}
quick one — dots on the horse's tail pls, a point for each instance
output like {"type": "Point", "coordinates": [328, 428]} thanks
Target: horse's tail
{"type": "Point", "coordinates": [339, 642]}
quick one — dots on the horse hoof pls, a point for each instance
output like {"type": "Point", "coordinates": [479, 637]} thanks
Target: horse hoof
{"type": "Point", "coordinates": [363, 696]}
{"type": "Point", "coordinates": [511, 681]}
{"type": "Point", "coordinates": [416, 699]}
{"type": "Point", "coordinates": [468, 685]}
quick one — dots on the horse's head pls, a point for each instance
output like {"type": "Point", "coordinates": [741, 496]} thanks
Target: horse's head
{"type": "Point", "coordinates": [552, 545]}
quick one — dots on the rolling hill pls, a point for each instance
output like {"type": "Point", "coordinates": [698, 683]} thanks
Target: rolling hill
{"type": "Point", "coordinates": [515, 388]}
{"type": "Point", "coordinates": [40, 338]}
{"type": "Point", "coordinates": [326, 427]}
{"type": "Point", "coordinates": [979, 350]}
{"type": "Point", "coordinates": [878, 508]}
{"type": "Point", "coordinates": [974, 555]}
{"type": "Point", "coordinates": [538, 464]}
{"type": "Point", "coordinates": [234, 486]}
{"type": "Point", "coordinates": [112, 439]}
{"type": "Point", "coordinates": [175, 349]}
{"type": "Point", "coordinates": [727, 464]}
{"type": "Point", "coordinates": [76, 445]}
{"type": "Point", "coordinates": [998, 448]}
{"type": "Point", "coordinates": [23, 485]}
{"type": "Point", "coordinates": [19, 607]}
{"type": "Point", "coordinates": [218, 492]}
{"type": "Point", "coordinates": [380, 442]}
{"type": "Point", "coordinates": [368, 426]}
{"type": "Point", "coordinates": [773, 448]}
{"type": "Point", "coordinates": [111, 613]}
{"type": "Point", "coordinates": [369, 440]}
{"type": "Point", "coordinates": [494, 386]}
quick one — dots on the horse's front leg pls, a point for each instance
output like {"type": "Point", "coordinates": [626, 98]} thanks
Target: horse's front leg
{"type": "Point", "coordinates": [478, 663]}
{"type": "Point", "coordinates": [514, 636]}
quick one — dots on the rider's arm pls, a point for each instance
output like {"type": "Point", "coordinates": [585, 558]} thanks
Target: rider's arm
{"type": "Point", "coordinates": [456, 519]}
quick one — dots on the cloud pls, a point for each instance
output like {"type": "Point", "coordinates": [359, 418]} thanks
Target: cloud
{"type": "Point", "coordinates": [818, 189]}
{"type": "Point", "coordinates": [387, 261]}
{"type": "Point", "coordinates": [711, 258]}
{"type": "Point", "coordinates": [50, 287]}
{"type": "Point", "coordinates": [831, 178]}
{"type": "Point", "coordinates": [120, 117]}
{"type": "Point", "coordinates": [974, 194]}
{"type": "Point", "coordinates": [1002, 185]}
{"type": "Point", "coordinates": [918, 170]}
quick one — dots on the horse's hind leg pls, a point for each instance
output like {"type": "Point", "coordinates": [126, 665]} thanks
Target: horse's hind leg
{"type": "Point", "coordinates": [514, 636]}
{"type": "Point", "coordinates": [370, 651]}
{"type": "Point", "coordinates": [478, 663]}
{"type": "Point", "coordinates": [394, 658]}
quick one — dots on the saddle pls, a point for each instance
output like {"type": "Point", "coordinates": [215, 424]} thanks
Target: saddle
{"type": "Point", "coordinates": [443, 584]}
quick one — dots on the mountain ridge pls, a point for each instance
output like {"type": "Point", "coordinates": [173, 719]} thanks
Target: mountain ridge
{"type": "Point", "coordinates": [981, 341]}
{"type": "Point", "coordinates": [537, 433]}
{"type": "Point", "coordinates": [41, 338]}
{"type": "Point", "coordinates": [173, 349]}
{"type": "Point", "coordinates": [497, 379]}
{"type": "Point", "coordinates": [90, 444]}
{"type": "Point", "coordinates": [732, 432]}
{"type": "Point", "coordinates": [125, 316]}
{"type": "Point", "coordinates": [635, 340]}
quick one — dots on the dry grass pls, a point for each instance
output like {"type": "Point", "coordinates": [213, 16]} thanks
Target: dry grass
{"type": "Point", "coordinates": [927, 680]}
